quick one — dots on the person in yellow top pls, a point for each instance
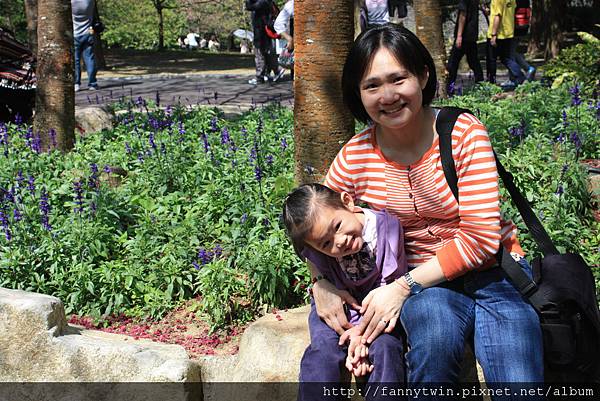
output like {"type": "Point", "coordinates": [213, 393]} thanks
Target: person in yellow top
{"type": "Point", "coordinates": [499, 36]}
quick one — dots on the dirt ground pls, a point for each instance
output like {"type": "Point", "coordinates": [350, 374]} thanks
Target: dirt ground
{"type": "Point", "coordinates": [131, 63]}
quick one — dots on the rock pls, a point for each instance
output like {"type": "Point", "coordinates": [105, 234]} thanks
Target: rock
{"type": "Point", "coordinates": [92, 119]}
{"type": "Point", "coordinates": [38, 346]}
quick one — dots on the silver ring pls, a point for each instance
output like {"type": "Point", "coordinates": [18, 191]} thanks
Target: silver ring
{"type": "Point", "coordinates": [383, 321]}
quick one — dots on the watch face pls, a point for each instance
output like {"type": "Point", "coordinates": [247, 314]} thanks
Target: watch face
{"type": "Point", "coordinates": [415, 289]}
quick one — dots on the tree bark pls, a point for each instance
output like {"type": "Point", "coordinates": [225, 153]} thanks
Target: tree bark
{"type": "Point", "coordinates": [428, 19]}
{"type": "Point", "coordinates": [98, 46]}
{"type": "Point", "coordinates": [161, 28]}
{"type": "Point", "coordinates": [537, 27]}
{"type": "Point", "coordinates": [323, 35]}
{"type": "Point", "coordinates": [31, 14]}
{"type": "Point", "coordinates": [55, 96]}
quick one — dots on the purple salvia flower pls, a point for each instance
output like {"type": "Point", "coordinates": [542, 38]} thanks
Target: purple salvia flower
{"type": "Point", "coordinates": [140, 157]}
{"type": "Point", "coordinates": [244, 132]}
{"type": "Point", "coordinates": [53, 137]}
{"type": "Point", "coordinates": [78, 190]}
{"type": "Point", "coordinates": [269, 159]}
{"type": "Point", "coordinates": [576, 140]}
{"type": "Point", "coordinates": [252, 157]}
{"type": "Point", "coordinates": [17, 215]}
{"type": "Point", "coordinates": [107, 169]}
{"type": "Point", "coordinates": [559, 190]}
{"type": "Point", "coordinates": [225, 136]}
{"type": "Point", "coordinates": [45, 210]}
{"type": "Point", "coordinates": [575, 98]}
{"type": "Point", "coordinates": [258, 174]}
{"type": "Point", "coordinates": [195, 265]}
{"type": "Point", "coordinates": [18, 119]}
{"type": "Point", "coordinates": [151, 141]}
{"type": "Point", "coordinates": [31, 185]}
{"type": "Point", "coordinates": [205, 142]}
{"type": "Point", "coordinates": [93, 208]}
{"type": "Point", "coordinates": [284, 144]}
{"type": "Point", "coordinates": [5, 225]}
{"type": "Point", "coordinates": [181, 132]}
{"type": "Point", "coordinates": [213, 125]}
{"type": "Point", "coordinates": [128, 148]}
{"type": "Point", "coordinates": [20, 179]}
{"type": "Point", "coordinates": [244, 218]}
{"type": "Point", "coordinates": [565, 168]}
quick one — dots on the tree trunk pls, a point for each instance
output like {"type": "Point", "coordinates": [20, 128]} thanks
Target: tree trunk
{"type": "Point", "coordinates": [31, 14]}
{"type": "Point", "coordinates": [537, 27]}
{"type": "Point", "coordinates": [556, 11]}
{"type": "Point", "coordinates": [323, 33]}
{"type": "Point", "coordinates": [161, 29]}
{"type": "Point", "coordinates": [428, 19]}
{"type": "Point", "coordinates": [55, 96]}
{"type": "Point", "coordinates": [98, 47]}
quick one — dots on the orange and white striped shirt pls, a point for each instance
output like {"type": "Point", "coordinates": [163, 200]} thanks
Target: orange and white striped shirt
{"type": "Point", "coordinates": [463, 236]}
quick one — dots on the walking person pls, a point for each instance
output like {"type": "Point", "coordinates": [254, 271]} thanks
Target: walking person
{"type": "Point", "coordinates": [265, 56]}
{"type": "Point", "coordinates": [500, 35]}
{"type": "Point", "coordinates": [374, 13]}
{"type": "Point", "coordinates": [522, 17]}
{"type": "Point", "coordinates": [83, 35]}
{"type": "Point", "coordinates": [284, 26]}
{"type": "Point", "coordinates": [465, 42]}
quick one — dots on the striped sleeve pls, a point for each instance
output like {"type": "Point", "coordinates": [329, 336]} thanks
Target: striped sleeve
{"type": "Point", "coordinates": [478, 236]}
{"type": "Point", "coordinates": [339, 177]}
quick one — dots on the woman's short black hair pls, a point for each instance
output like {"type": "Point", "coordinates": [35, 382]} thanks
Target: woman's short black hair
{"type": "Point", "coordinates": [407, 49]}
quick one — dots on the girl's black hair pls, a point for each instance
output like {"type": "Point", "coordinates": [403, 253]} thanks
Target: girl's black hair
{"type": "Point", "coordinates": [406, 48]}
{"type": "Point", "coordinates": [300, 207]}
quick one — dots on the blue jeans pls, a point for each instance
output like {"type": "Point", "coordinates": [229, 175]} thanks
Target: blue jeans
{"type": "Point", "coordinates": [483, 306]}
{"type": "Point", "coordinates": [84, 44]}
{"type": "Point", "coordinates": [502, 50]}
{"type": "Point", "coordinates": [322, 364]}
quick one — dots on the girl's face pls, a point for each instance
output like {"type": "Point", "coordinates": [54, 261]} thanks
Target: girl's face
{"type": "Point", "coordinates": [391, 95]}
{"type": "Point", "coordinates": [337, 232]}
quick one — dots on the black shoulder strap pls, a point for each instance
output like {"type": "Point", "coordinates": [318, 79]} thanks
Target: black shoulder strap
{"type": "Point", "coordinates": [444, 125]}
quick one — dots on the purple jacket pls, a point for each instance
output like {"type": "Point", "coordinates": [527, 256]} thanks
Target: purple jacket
{"type": "Point", "coordinates": [390, 261]}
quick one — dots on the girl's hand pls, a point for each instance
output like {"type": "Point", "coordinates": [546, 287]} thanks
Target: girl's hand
{"type": "Point", "coordinates": [380, 310]}
{"type": "Point", "coordinates": [357, 361]}
{"type": "Point", "coordinates": [329, 302]}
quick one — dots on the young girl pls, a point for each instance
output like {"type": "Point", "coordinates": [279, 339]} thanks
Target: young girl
{"type": "Point", "coordinates": [357, 250]}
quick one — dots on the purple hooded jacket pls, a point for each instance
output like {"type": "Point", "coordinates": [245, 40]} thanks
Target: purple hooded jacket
{"type": "Point", "coordinates": [390, 261]}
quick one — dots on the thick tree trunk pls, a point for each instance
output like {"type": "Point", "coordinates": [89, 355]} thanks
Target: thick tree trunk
{"type": "Point", "coordinates": [98, 47]}
{"type": "Point", "coordinates": [323, 33]}
{"type": "Point", "coordinates": [556, 11]}
{"type": "Point", "coordinates": [31, 14]}
{"type": "Point", "coordinates": [55, 97]}
{"type": "Point", "coordinates": [537, 27]}
{"type": "Point", "coordinates": [428, 19]}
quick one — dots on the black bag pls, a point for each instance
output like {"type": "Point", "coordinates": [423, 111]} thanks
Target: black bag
{"type": "Point", "coordinates": [563, 290]}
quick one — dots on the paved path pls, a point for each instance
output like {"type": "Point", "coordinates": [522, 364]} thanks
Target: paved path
{"type": "Point", "coordinates": [192, 89]}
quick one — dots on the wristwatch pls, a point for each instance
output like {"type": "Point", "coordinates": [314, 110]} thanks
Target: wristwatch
{"type": "Point", "coordinates": [415, 287]}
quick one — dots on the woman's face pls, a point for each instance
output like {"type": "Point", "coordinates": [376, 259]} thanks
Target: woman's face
{"type": "Point", "coordinates": [391, 95]}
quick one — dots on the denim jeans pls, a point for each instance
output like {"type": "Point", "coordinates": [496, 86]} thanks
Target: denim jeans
{"type": "Point", "coordinates": [470, 50]}
{"type": "Point", "coordinates": [483, 306]}
{"type": "Point", "coordinates": [502, 50]}
{"type": "Point", "coordinates": [84, 44]}
{"type": "Point", "coordinates": [323, 362]}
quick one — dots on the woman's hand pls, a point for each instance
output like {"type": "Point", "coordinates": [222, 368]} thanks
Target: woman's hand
{"type": "Point", "coordinates": [329, 302]}
{"type": "Point", "coordinates": [381, 310]}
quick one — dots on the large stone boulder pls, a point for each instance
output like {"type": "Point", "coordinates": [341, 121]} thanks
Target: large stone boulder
{"type": "Point", "coordinates": [92, 119]}
{"type": "Point", "coordinates": [37, 345]}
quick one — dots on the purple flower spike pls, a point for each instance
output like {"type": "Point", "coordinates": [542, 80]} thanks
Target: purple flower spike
{"type": "Point", "coordinates": [575, 98]}
{"type": "Point", "coordinates": [284, 144]}
{"type": "Point", "coordinates": [225, 136]}
{"type": "Point", "coordinates": [78, 190]}
{"type": "Point", "coordinates": [45, 210]}
{"type": "Point", "coordinates": [31, 185]}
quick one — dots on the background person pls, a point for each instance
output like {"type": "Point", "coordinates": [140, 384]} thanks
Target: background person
{"type": "Point", "coordinates": [83, 35]}
{"type": "Point", "coordinates": [284, 26]}
{"type": "Point", "coordinates": [454, 290]}
{"type": "Point", "coordinates": [500, 35]}
{"type": "Point", "coordinates": [466, 32]}
{"type": "Point", "coordinates": [520, 32]}
{"type": "Point", "coordinates": [265, 57]}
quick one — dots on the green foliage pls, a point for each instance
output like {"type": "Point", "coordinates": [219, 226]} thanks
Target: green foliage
{"type": "Point", "coordinates": [578, 63]}
{"type": "Point", "coordinates": [134, 24]}
{"type": "Point", "coordinates": [540, 135]}
{"type": "Point", "coordinates": [12, 17]}
{"type": "Point", "coordinates": [195, 214]}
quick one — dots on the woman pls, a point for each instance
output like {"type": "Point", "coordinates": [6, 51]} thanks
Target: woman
{"type": "Point", "coordinates": [453, 292]}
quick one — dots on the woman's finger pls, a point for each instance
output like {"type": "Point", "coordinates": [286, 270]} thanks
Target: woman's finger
{"type": "Point", "coordinates": [365, 303]}
{"type": "Point", "coordinates": [391, 325]}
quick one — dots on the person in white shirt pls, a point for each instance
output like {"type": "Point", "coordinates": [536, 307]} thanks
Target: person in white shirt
{"type": "Point", "coordinates": [191, 41]}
